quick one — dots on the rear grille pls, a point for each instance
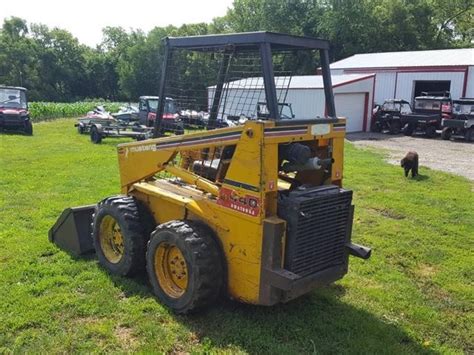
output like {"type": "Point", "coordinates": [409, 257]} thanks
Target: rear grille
{"type": "Point", "coordinates": [11, 117]}
{"type": "Point", "coordinates": [317, 228]}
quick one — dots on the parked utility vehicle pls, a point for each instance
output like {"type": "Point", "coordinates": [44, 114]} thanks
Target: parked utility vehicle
{"type": "Point", "coordinates": [14, 113]}
{"type": "Point", "coordinates": [388, 117]}
{"type": "Point", "coordinates": [427, 114]}
{"type": "Point", "coordinates": [170, 122]}
{"type": "Point", "coordinates": [461, 123]}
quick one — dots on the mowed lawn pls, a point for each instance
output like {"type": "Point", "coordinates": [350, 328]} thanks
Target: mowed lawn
{"type": "Point", "coordinates": [415, 295]}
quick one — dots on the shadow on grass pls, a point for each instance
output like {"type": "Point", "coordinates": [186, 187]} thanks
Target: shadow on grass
{"type": "Point", "coordinates": [14, 132]}
{"type": "Point", "coordinates": [320, 322]}
{"type": "Point", "coordinates": [420, 177]}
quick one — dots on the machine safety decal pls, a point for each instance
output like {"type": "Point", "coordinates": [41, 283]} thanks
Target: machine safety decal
{"type": "Point", "coordinates": [247, 204]}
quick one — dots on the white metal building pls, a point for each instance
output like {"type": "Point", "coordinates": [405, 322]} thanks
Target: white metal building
{"type": "Point", "coordinates": [353, 95]}
{"type": "Point", "coordinates": [404, 75]}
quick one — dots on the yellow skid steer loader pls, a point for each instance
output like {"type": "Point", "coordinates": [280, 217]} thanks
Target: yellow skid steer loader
{"type": "Point", "coordinates": [256, 211]}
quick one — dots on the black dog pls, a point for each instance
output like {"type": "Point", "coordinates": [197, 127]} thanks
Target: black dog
{"type": "Point", "coordinates": [410, 162]}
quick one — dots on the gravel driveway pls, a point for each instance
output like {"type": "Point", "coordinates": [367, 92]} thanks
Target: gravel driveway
{"type": "Point", "coordinates": [455, 157]}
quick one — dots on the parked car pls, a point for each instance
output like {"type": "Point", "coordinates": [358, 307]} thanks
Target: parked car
{"type": "Point", "coordinates": [461, 122]}
{"type": "Point", "coordinates": [171, 122]}
{"type": "Point", "coordinates": [14, 113]}
{"type": "Point", "coordinates": [388, 117]}
{"type": "Point", "coordinates": [428, 111]}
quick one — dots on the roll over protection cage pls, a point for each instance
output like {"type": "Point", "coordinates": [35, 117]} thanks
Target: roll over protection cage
{"type": "Point", "coordinates": [264, 42]}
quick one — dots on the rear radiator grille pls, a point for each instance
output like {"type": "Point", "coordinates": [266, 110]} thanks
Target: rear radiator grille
{"type": "Point", "coordinates": [317, 228]}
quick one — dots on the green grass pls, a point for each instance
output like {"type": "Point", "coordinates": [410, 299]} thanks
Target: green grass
{"type": "Point", "coordinates": [415, 295]}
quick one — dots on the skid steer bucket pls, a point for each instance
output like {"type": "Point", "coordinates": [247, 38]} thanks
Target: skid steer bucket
{"type": "Point", "coordinates": [72, 230]}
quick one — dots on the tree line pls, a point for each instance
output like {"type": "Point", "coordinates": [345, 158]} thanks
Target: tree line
{"type": "Point", "coordinates": [54, 66]}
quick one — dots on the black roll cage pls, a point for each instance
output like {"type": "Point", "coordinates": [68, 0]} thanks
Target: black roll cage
{"type": "Point", "coordinates": [264, 42]}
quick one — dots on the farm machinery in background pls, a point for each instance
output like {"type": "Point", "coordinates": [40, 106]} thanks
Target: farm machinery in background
{"type": "Point", "coordinates": [14, 113]}
{"type": "Point", "coordinates": [461, 122]}
{"type": "Point", "coordinates": [428, 112]}
{"type": "Point", "coordinates": [257, 211]}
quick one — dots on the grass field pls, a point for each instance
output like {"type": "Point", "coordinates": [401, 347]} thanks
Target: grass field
{"type": "Point", "coordinates": [415, 295]}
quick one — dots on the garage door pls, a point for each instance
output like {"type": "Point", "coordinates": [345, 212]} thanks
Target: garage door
{"type": "Point", "coordinates": [351, 106]}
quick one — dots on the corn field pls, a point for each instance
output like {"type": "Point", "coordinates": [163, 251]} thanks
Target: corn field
{"type": "Point", "coordinates": [40, 111]}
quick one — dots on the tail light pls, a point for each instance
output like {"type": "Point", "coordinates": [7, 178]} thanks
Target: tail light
{"type": "Point", "coordinates": [168, 116]}
{"type": "Point", "coordinates": [446, 108]}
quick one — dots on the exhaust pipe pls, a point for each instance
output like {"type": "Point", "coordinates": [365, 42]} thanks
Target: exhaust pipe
{"type": "Point", "coordinates": [72, 231]}
{"type": "Point", "coordinates": [358, 251]}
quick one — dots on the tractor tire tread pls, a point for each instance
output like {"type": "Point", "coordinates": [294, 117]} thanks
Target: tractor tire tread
{"type": "Point", "coordinates": [133, 230]}
{"type": "Point", "coordinates": [207, 263]}
{"type": "Point", "coordinates": [469, 136]}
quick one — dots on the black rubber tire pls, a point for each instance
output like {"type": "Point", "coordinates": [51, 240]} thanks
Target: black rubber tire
{"type": "Point", "coordinates": [408, 130]}
{"type": "Point", "coordinates": [395, 127]}
{"type": "Point", "coordinates": [376, 128]}
{"type": "Point", "coordinates": [430, 131]}
{"type": "Point", "coordinates": [204, 261]}
{"type": "Point", "coordinates": [446, 133]}
{"type": "Point", "coordinates": [470, 135]}
{"type": "Point", "coordinates": [135, 224]}
{"type": "Point", "coordinates": [96, 137]}
{"type": "Point", "coordinates": [28, 128]}
{"type": "Point", "coordinates": [80, 129]}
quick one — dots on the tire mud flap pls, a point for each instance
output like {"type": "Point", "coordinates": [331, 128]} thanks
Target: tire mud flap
{"type": "Point", "coordinates": [72, 230]}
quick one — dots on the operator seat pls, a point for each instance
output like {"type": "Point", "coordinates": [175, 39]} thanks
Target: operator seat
{"type": "Point", "coordinates": [207, 168]}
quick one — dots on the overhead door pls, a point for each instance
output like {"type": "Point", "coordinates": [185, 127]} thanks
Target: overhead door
{"type": "Point", "coordinates": [351, 106]}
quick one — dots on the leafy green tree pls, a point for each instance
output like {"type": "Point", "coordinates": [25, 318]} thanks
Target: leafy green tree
{"type": "Point", "coordinates": [53, 65]}
{"type": "Point", "coordinates": [454, 20]}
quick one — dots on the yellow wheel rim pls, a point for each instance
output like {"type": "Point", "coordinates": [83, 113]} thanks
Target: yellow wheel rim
{"type": "Point", "coordinates": [171, 270]}
{"type": "Point", "coordinates": [111, 239]}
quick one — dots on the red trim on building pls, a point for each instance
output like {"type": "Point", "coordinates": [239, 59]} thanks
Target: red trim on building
{"type": "Point", "coordinates": [447, 70]}
{"type": "Point", "coordinates": [441, 68]}
{"type": "Point", "coordinates": [464, 86]}
{"type": "Point", "coordinates": [366, 112]}
{"type": "Point", "coordinates": [395, 88]}
{"type": "Point", "coordinates": [373, 97]}
{"type": "Point", "coordinates": [353, 81]}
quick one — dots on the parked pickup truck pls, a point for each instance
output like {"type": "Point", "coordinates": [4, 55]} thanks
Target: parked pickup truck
{"type": "Point", "coordinates": [427, 114]}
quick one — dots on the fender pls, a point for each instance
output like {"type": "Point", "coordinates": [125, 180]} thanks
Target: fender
{"type": "Point", "coordinates": [99, 127]}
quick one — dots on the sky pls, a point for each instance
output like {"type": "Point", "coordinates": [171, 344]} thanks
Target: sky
{"type": "Point", "coordinates": [86, 18]}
